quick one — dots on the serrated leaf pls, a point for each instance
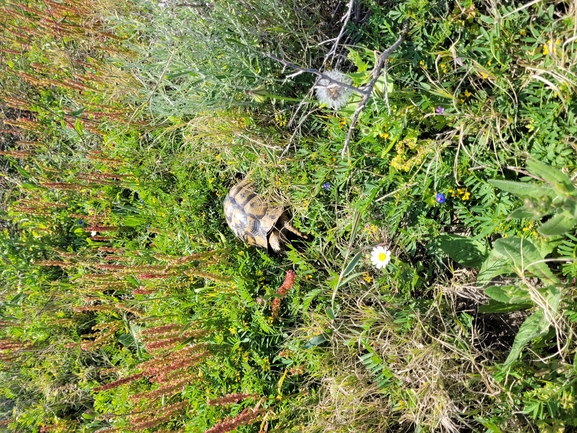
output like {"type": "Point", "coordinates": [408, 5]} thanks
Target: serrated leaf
{"type": "Point", "coordinates": [523, 212]}
{"type": "Point", "coordinates": [555, 177]}
{"type": "Point", "coordinates": [496, 264]}
{"type": "Point", "coordinates": [533, 327]}
{"type": "Point", "coordinates": [508, 294]}
{"type": "Point", "coordinates": [500, 307]}
{"type": "Point", "coordinates": [464, 250]}
{"type": "Point", "coordinates": [309, 298]}
{"type": "Point", "coordinates": [558, 224]}
{"type": "Point", "coordinates": [525, 257]}
{"type": "Point", "coordinates": [523, 189]}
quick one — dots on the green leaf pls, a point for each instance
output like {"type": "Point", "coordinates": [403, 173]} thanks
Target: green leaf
{"type": "Point", "coordinates": [523, 212]}
{"type": "Point", "coordinates": [330, 313]}
{"type": "Point", "coordinates": [464, 250]}
{"type": "Point", "coordinates": [509, 294]}
{"type": "Point", "coordinates": [558, 224]}
{"type": "Point", "coordinates": [523, 189]}
{"type": "Point", "coordinates": [352, 263]}
{"type": "Point", "coordinates": [533, 327]}
{"type": "Point", "coordinates": [127, 340]}
{"type": "Point", "coordinates": [495, 265]}
{"type": "Point", "coordinates": [525, 257]}
{"type": "Point", "coordinates": [500, 307]}
{"type": "Point", "coordinates": [309, 298]}
{"type": "Point", "coordinates": [553, 296]}
{"type": "Point", "coordinates": [555, 177]}
{"type": "Point", "coordinates": [487, 19]}
{"type": "Point", "coordinates": [315, 341]}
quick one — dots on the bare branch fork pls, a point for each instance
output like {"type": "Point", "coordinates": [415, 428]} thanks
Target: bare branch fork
{"type": "Point", "coordinates": [368, 89]}
{"type": "Point", "coordinates": [316, 72]}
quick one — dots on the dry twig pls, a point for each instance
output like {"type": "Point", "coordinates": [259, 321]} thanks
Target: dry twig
{"type": "Point", "coordinates": [366, 91]}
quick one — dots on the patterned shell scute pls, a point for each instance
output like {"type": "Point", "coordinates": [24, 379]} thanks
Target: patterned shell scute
{"type": "Point", "coordinates": [247, 214]}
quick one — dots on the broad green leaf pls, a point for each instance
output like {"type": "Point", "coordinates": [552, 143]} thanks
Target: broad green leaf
{"type": "Point", "coordinates": [127, 340]}
{"type": "Point", "coordinates": [501, 307]}
{"type": "Point", "coordinates": [352, 263]}
{"type": "Point", "coordinates": [555, 177]}
{"type": "Point", "coordinates": [464, 250]}
{"type": "Point", "coordinates": [553, 296]}
{"type": "Point", "coordinates": [509, 294]}
{"type": "Point", "coordinates": [32, 186]}
{"type": "Point", "coordinates": [523, 212]}
{"type": "Point", "coordinates": [525, 257]}
{"type": "Point", "coordinates": [533, 327]}
{"type": "Point", "coordinates": [523, 189]}
{"type": "Point", "coordinates": [496, 264]}
{"type": "Point", "coordinates": [309, 298]}
{"type": "Point", "coordinates": [558, 224]}
{"type": "Point", "coordinates": [315, 341]}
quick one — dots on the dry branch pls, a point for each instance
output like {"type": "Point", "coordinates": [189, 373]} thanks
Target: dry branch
{"type": "Point", "coordinates": [366, 91]}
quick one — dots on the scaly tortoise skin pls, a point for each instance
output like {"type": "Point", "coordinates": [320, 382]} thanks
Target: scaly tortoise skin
{"type": "Point", "coordinates": [254, 221]}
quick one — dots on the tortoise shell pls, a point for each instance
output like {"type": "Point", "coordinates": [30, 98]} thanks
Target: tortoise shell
{"type": "Point", "coordinates": [249, 216]}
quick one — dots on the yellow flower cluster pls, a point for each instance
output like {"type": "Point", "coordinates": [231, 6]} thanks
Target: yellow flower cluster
{"type": "Point", "coordinates": [550, 46]}
{"type": "Point", "coordinates": [461, 193]}
{"type": "Point", "coordinates": [280, 120]}
{"type": "Point", "coordinates": [529, 229]}
{"type": "Point", "coordinates": [410, 153]}
{"type": "Point", "coordinates": [367, 277]}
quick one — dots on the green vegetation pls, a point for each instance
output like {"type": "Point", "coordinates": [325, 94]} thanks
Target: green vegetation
{"type": "Point", "coordinates": [126, 302]}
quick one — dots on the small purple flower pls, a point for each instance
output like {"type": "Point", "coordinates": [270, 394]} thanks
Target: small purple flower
{"type": "Point", "coordinates": [440, 110]}
{"type": "Point", "coordinates": [326, 186]}
{"type": "Point", "coordinates": [440, 198]}
{"type": "Point", "coordinates": [80, 222]}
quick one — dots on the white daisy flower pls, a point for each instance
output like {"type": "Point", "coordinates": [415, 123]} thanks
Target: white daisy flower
{"type": "Point", "coordinates": [380, 256]}
{"type": "Point", "coordinates": [93, 233]}
{"type": "Point", "coordinates": [331, 93]}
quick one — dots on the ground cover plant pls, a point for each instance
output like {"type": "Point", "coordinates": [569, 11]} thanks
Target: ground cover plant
{"type": "Point", "coordinates": [425, 148]}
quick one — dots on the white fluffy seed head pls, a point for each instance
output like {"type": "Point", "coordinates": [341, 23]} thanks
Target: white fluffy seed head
{"type": "Point", "coordinates": [333, 94]}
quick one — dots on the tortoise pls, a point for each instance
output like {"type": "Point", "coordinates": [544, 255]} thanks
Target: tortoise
{"type": "Point", "coordinates": [254, 220]}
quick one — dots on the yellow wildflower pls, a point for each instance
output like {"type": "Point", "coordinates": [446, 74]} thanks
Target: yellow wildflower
{"type": "Point", "coordinates": [367, 277]}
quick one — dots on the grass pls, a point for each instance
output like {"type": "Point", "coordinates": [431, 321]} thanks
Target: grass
{"type": "Point", "coordinates": [127, 304]}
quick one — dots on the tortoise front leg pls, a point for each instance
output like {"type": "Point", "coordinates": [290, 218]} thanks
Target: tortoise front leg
{"type": "Point", "coordinates": [274, 241]}
{"type": "Point", "coordinates": [285, 225]}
